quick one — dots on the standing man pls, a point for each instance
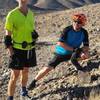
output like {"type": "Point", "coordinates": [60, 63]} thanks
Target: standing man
{"type": "Point", "coordinates": [20, 40]}
{"type": "Point", "coordinates": [68, 47]}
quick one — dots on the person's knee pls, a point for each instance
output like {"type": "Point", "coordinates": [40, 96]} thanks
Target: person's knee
{"type": "Point", "coordinates": [25, 71]}
{"type": "Point", "coordinates": [49, 68]}
{"type": "Point", "coordinates": [14, 76]}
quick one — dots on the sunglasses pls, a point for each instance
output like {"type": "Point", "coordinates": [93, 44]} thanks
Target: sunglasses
{"type": "Point", "coordinates": [78, 22]}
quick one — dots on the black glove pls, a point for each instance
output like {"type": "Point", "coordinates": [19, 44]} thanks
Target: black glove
{"type": "Point", "coordinates": [35, 35]}
{"type": "Point", "coordinates": [32, 85]}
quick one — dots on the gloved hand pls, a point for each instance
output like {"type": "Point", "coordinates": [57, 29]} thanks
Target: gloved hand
{"type": "Point", "coordinates": [35, 35]}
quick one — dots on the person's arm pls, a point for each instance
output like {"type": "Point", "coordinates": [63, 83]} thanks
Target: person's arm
{"type": "Point", "coordinates": [85, 54]}
{"type": "Point", "coordinates": [9, 28]}
{"type": "Point", "coordinates": [8, 42]}
{"type": "Point", "coordinates": [65, 46]}
{"type": "Point", "coordinates": [63, 38]}
{"type": "Point", "coordinates": [85, 49]}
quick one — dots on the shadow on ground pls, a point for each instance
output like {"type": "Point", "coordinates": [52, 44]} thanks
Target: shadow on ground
{"type": "Point", "coordinates": [81, 93]}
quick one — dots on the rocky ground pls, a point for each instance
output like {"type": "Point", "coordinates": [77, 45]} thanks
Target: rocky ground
{"type": "Point", "coordinates": [64, 83]}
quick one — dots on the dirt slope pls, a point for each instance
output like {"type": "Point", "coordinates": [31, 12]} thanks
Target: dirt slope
{"type": "Point", "coordinates": [63, 83]}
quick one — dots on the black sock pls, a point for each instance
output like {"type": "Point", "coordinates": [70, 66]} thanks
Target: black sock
{"type": "Point", "coordinates": [35, 80]}
{"type": "Point", "coordinates": [10, 98]}
{"type": "Point", "coordinates": [23, 88]}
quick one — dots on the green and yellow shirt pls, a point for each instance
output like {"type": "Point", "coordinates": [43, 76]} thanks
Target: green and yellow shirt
{"type": "Point", "coordinates": [21, 27]}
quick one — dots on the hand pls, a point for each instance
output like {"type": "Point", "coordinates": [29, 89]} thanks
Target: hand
{"type": "Point", "coordinates": [84, 56]}
{"type": "Point", "coordinates": [11, 51]}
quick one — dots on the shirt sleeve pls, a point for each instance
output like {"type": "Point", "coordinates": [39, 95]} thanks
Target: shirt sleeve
{"type": "Point", "coordinates": [9, 22]}
{"type": "Point", "coordinates": [63, 35]}
{"type": "Point", "coordinates": [33, 21]}
{"type": "Point", "coordinates": [86, 38]}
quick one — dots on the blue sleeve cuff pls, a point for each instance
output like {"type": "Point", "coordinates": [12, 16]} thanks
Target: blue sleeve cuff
{"type": "Point", "coordinates": [61, 40]}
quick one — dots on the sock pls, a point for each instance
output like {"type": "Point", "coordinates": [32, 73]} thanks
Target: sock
{"type": "Point", "coordinates": [24, 92]}
{"type": "Point", "coordinates": [10, 98]}
{"type": "Point", "coordinates": [23, 88]}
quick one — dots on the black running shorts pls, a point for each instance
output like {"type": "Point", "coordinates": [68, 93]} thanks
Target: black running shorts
{"type": "Point", "coordinates": [22, 58]}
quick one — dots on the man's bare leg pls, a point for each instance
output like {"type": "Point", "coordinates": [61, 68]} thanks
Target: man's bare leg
{"type": "Point", "coordinates": [24, 79]}
{"type": "Point", "coordinates": [43, 72]}
{"type": "Point", "coordinates": [12, 82]}
{"type": "Point", "coordinates": [40, 75]}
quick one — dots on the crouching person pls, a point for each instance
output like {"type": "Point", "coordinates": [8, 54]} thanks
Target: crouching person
{"type": "Point", "coordinates": [68, 47]}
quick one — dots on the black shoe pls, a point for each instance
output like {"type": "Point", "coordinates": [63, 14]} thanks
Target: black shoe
{"type": "Point", "coordinates": [32, 85]}
{"type": "Point", "coordinates": [81, 69]}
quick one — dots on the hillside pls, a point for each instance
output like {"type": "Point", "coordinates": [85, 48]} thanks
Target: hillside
{"type": "Point", "coordinates": [64, 83]}
{"type": "Point", "coordinates": [63, 4]}
{"type": "Point", "coordinates": [49, 4]}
